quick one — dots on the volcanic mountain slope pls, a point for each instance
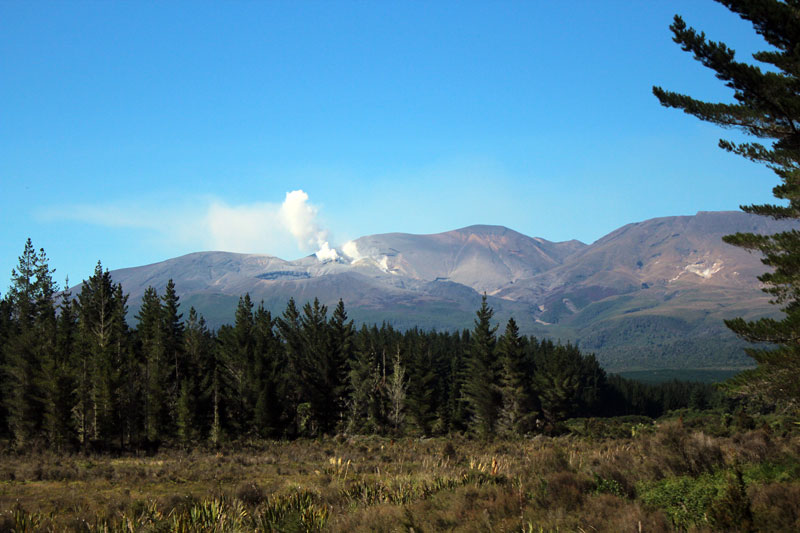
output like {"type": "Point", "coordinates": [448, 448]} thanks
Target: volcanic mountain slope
{"type": "Point", "coordinates": [484, 258]}
{"type": "Point", "coordinates": [650, 294]}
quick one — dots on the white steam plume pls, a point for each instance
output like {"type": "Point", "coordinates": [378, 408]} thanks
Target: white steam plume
{"type": "Point", "coordinates": [213, 224]}
{"type": "Point", "coordinates": [300, 218]}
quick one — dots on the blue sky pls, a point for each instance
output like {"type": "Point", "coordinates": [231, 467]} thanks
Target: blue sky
{"type": "Point", "coordinates": [132, 132]}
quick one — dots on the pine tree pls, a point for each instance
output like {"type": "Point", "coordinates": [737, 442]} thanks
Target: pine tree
{"type": "Point", "coordinates": [516, 412]}
{"type": "Point", "coordinates": [30, 345]}
{"type": "Point", "coordinates": [480, 388]}
{"type": "Point", "coordinates": [60, 382]}
{"type": "Point", "coordinates": [184, 419]}
{"type": "Point", "coordinates": [397, 388]}
{"type": "Point", "coordinates": [767, 106]}
{"type": "Point", "coordinates": [198, 350]}
{"type": "Point", "coordinates": [173, 348]}
{"type": "Point", "coordinates": [363, 383]}
{"type": "Point", "coordinates": [268, 376]}
{"type": "Point", "coordinates": [6, 324]}
{"type": "Point", "coordinates": [421, 401]}
{"type": "Point", "coordinates": [340, 355]}
{"type": "Point", "coordinates": [317, 371]}
{"type": "Point", "coordinates": [154, 365]}
{"type": "Point", "coordinates": [288, 325]}
{"type": "Point", "coordinates": [101, 315]}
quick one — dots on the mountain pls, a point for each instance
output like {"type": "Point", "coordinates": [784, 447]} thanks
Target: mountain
{"type": "Point", "coordinates": [651, 294]}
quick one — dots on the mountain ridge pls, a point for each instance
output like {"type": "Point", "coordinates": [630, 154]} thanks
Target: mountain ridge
{"type": "Point", "coordinates": [645, 295]}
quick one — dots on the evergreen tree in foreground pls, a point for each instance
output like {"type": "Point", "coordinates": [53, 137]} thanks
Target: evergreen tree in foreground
{"type": "Point", "coordinates": [30, 346]}
{"type": "Point", "coordinates": [481, 390]}
{"type": "Point", "coordinates": [767, 106]}
{"type": "Point", "coordinates": [516, 412]}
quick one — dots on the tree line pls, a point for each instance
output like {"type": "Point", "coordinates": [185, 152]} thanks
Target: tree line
{"type": "Point", "coordinates": [75, 375]}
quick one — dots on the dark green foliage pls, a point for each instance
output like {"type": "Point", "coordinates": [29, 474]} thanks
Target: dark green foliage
{"type": "Point", "coordinates": [199, 365]}
{"type": "Point", "coordinates": [340, 353]}
{"type": "Point", "coordinates": [367, 406]}
{"type": "Point", "coordinates": [75, 376]}
{"type": "Point", "coordinates": [422, 392]}
{"type": "Point", "coordinates": [30, 346]}
{"type": "Point", "coordinates": [59, 378]}
{"type": "Point", "coordinates": [631, 397]}
{"type": "Point", "coordinates": [173, 331]}
{"type": "Point", "coordinates": [102, 359]}
{"type": "Point", "coordinates": [154, 365]}
{"type": "Point", "coordinates": [6, 325]}
{"type": "Point", "coordinates": [517, 411]}
{"type": "Point", "coordinates": [481, 391]}
{"type": "Point", "coordinates": [732, 512]}
{"type": "Point", "coordinates": [268, 382]}
{"type": "Point", "coordinates": [236, 345]}
{"type": "Point", "coordinates": [566, 382]}
{"type": "Point", "coordinates": [767, 106]}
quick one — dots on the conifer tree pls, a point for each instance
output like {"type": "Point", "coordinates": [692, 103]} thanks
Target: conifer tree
{"type": "Point", "coordinates": [173, 346]}
{"type": "Point", "coordinates": [516, 411]}
{"type": "Point", "coordinates": [236, 352]}
{"type": "Point", "coordinates": [60, 382]}
{"type": "Point", "coordinates": [421, 395]}
{"type": "Point", "coordinates": [154, 365]}
{"type": "Point", "coordinates": [480, 388]}
{"type": "Point", "coordinates": [766, 106]}
{"type": "Point", "coordinates": [268, 376]}
{"type": "Point", "coordinates": [455, 414]}
{"type": "Point", "coordinates": [317, 371]}
{"type": "Point", "coordinates": [5, 333]}
{"type": "Point", "coordinates": [340, 354]}
{"type": "Point", "coordinates": [363, 383]}
{"type": "Point", "coordinates": [397, 388]}
{"type": "Point", "coordinates": [288, 325]}
{"type": "Point", "coordinates": [101, 311]}
{"type": "Point", "coordinates": [198, 346]}
{"type": "Point", "coordinates": [31, 343]}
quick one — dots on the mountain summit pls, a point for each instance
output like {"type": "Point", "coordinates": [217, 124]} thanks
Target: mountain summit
{"type": "Point", "coordinates": [649, 294]}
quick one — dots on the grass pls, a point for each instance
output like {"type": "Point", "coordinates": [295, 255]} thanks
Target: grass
{"type": "Point", "coordinates": [622, 475]}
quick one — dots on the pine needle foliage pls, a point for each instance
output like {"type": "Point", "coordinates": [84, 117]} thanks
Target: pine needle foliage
{"type": "Point", "coordinates": [481, 390]}
{"type": "Point", "coordinates": [766, 106]}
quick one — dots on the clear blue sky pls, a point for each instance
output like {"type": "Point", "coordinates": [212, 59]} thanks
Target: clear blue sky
{"type": "Point", "coordinates": [132, 132]}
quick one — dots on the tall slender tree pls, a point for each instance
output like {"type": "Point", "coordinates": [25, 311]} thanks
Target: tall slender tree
{"type": "Point", "coordinates": [481, 390]}
{"type": "Point", "coordinates": [60, 397]}
{"type": "Point", "coordinates": [30, 345]}
{"type": "Point", "coordinates": [766, 106]}
{"type": "Point", "coordinates": [268, 374]}
{"type": "Point", "coordinates": [193, 406]}
{"type": "Point", "coordinates": [340, 355]}
{"type": "Point", "coordinates": [516, 411]}
{"type": "Point", "coordinates": [154, 364]}
{"type": "Point", "coordinates": [101, 311]}
{"type": "Point", "coordinates": [5, 334]}
{"type": "Point", "coordinates": [173, 330]}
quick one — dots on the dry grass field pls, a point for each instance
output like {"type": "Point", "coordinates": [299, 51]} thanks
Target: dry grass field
{"type": "Point", "coordinates": [699, 472]}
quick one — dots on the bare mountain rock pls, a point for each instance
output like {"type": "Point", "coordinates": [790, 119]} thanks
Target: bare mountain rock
{"type": "Point", "coordinates": [649, 294]}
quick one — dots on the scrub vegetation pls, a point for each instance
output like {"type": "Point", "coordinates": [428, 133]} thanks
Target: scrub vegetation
{"type": "Point", "coordinates": [690, 471]}
{"type": "Point", "coordinates": [303, 422]}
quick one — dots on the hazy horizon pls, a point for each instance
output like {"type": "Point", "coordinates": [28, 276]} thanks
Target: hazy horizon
{"type": "Point", "coordinates": [132, 133]}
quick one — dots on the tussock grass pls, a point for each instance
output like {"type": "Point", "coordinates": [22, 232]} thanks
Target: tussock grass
{"type": "Point", "coordinates": [609, 476]}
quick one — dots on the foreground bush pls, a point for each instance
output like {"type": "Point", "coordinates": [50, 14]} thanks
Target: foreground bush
{"type": "Point", "coordinates": [667, 476]}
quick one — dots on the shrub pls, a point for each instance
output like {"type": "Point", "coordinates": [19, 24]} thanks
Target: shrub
{"type": "Point", "coordinates": [683, 453]}
{"type": "Point", "coordinates": [731, 511]}
{"type": "Point", "coordinates": [684, 499]}
{"type": "Point", "coordinates": [776, 506]}
{"type": "Point", "coordinates": [250, 493]}
{"type": "Point", "coordinates": [566, 489]}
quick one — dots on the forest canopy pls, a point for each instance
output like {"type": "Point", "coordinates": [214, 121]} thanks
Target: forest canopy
{"type": "Point", "coordinates": [76, 375]}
